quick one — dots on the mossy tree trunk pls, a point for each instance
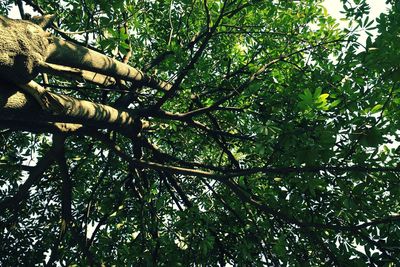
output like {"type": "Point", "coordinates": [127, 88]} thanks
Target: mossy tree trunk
{"type": "Point", "coordinates": [26, 49]}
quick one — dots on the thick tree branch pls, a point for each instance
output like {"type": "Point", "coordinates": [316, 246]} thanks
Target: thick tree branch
{"type": "Point", "coordinates": [17, 106]}
{"type": "Point", "coordinates": [65, 53]}
{"type": "Point", "coordinates": [77, 74]}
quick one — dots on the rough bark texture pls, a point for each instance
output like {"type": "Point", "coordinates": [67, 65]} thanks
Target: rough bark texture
{"type": "Point", "coordinates": [68, 54]}
{"type": "Point", "coordinates": [23, 45]}
{"type": "Point", "coordinates": [26, 49]}
{"type": "Point", "coordinates": [18, 106]}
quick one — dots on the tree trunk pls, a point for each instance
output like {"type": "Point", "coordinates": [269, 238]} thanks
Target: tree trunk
{"type": "Point", "coordinates": [26, 49]}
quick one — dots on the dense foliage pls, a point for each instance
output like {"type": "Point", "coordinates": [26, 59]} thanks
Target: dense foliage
{"type": "Point", "coordinates": [277, 144]}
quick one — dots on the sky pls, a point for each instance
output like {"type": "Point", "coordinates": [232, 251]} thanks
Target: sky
{"type": "Point", "coordinates": [334, 7]}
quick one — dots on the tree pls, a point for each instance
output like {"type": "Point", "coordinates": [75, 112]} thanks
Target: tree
{"type": "Point", "coordinates": [164, 133]}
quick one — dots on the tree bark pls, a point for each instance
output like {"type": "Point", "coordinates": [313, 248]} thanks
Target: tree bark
{"type": "Point", "coordinates": [16, 105]}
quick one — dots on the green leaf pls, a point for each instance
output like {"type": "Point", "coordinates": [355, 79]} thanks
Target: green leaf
{"type": "Point", "coordinates": [376, 108]}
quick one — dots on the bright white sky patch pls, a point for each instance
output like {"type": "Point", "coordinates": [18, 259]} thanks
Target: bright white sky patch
{"type": "Point", "coordinates": [335, 9]}
{"type": "Point", "coordinates": [335, 6]}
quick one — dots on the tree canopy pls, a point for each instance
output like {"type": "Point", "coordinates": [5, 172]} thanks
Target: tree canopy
{"type": "Point", "coordinates": [210, 133]}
